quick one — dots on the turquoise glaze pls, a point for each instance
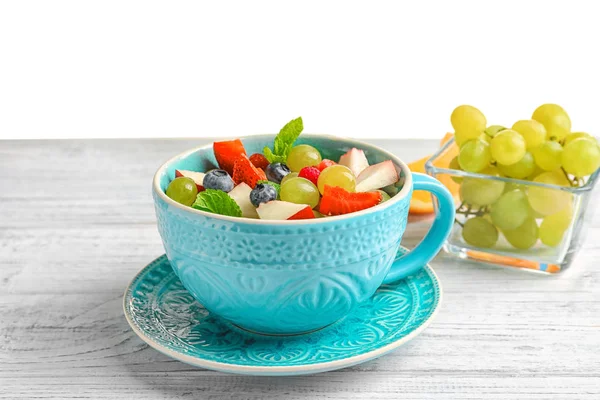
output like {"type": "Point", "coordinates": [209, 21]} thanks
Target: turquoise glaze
{"type": "Point", "coordinates": [286, 277]}
{"type": "Point", "coordinates": [169, 319]}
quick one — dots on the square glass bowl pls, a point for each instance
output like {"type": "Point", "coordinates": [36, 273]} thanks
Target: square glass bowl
{"type": "Point", "coordinates": [539, 257]}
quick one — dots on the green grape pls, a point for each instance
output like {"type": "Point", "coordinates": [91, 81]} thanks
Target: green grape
{"type": "Point", "coordinates": [510, 186]}
{"type": "Point", "coordinates": [548, 201]}
{"type": "Point", "coordinates": [532, 131]}
{"type": "Point", "coordinates": [337, 175]}
{"type": "Point", "coordinates": [519, 170]}
{"type": "Point", "coordinates": [581, 157]}
{"type": "Point", "coordinates": [474, 156]}
{"type": "Point", "coordinates": [553, 227]}
{"type": "Point", "coordinates": [300, 191]}
{"type": "Point", "coordinates": [508, 147]}
{"type": "Point", "coordinates": [455, 165]}
{"type": "Point", "coordinates": [524, 236]}
{"type": "Point", "coordinates": [468, 122]}
{"type": "Point", "coordinates": [393, 189]}
{"type": "Point", "coordinates": [555, 119]}
{"type": "Point", "coordinates": [547, 155]}
{"type": "Point", "coordinates": [511, 210]}
{"type": "Point", "coordinates": [481, 191]}
{"type": "Point", "coordinates": [536, 171]}
{"type": "Point", "coordinates": [289, 176]}
{"type": "Point", "coordinates": [183, 190]}
{"type": "Point", "coordinates": [492, 130]}
{"type": "Point", "coordinates": [536, 214]}
{"type": "Point", "coordinates": [576, 135]}
{"type": "Point", "coordinates": [460, 138]}
{"type": "Point", "coordinates": [550, 237]}
{"type": "Point", "coordinates": [384, 196]}
{"type": "Point", "coordinates": [303, 156]}
{"type": "Point", "coordinates": [485, 138]}
{"type": "Point", "coordinates": [318, 214]}
{"type": "Point", "coordinates": [480, 232]}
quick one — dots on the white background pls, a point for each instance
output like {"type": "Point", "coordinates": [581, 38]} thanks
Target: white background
{"type": "Point", "coordinates": [363, 69]}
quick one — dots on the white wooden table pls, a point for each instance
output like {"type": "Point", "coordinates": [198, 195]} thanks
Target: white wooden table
{"type": "Point", "coordinates": [77, 222]}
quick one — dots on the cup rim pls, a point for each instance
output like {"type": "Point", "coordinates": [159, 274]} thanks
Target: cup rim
{"type": "Point", "coordinates": [406, 188]}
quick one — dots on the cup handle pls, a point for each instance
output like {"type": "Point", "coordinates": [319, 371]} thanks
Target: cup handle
{"type": "Point", "coordinates": [433, 241]}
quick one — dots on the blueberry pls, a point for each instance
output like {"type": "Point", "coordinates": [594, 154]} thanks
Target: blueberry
{"type": "Point", "coordinates": [262, 193]}
{"type": "Point", "coordinates": [276, 172]}
{"type": "Point", "coordinates": [218, 179]}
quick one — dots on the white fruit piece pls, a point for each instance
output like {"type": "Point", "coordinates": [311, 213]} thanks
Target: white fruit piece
{"type": "Point", "coordinates": [377, 176]}
{"type": "Point", "coordinates": [241, 195]}
{"type": "Point", "coordinates": [279, 210]}
{"type": "Point", "coordinates": [356, 160]}
{"type": "Point", "coordinates": [197, 177]}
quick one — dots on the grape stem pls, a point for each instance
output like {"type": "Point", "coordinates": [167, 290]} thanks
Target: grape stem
{"type": "Point", "coordinates": [574, 182]}
{"type": "Point", "coordinates": [468, 211]}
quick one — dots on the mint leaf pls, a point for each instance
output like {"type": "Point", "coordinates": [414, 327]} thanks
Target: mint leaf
{"type": "Point", "coordinates": [275, 185]}
{"type": "Point", "coordinates": [272, 158]}
{"type": "Point", "coordinates": [217, 202]}
{"type": "Point", "coordinates": [284, 141]}
{"type": "Point", "coordinates": [287, 136]}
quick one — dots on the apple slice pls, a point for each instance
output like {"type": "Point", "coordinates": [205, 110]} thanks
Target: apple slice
{"type": "Point", "coordinates": [356, 160]}
{"type": "Point", "coordinates": [377, 176]}
{"type": "Point", "coordinates": [197, 177]}
{"type": "Point", "coordinates": [241, 195]}
{"type": "Point", "coordinates": [282, 210]}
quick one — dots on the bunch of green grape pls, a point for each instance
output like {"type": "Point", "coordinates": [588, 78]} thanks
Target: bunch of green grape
{"type": "Point", "coordinates": [542, 150]}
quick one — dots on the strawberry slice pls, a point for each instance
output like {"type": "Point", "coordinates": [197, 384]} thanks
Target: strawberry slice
{"type": "Point", "coordinates": [259, 161]}
{"type": "Point", "coordinates": [305, 213]}
{"type": "Point", "coordinates": [325, 163]}
{"type": "Point", "coordinates": [245, 171]}
{"type": "Point", "coordinates": [227, 152]}
{"type": "Point", "coordinates": [338, 201]}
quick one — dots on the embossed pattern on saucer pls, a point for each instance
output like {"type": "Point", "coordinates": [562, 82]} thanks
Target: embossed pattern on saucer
{"type": "Point", "coordinates": [165, 315]}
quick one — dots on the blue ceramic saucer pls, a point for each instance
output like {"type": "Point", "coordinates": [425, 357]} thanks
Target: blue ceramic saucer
{"type": "Point", "coordinates": [164, 315]}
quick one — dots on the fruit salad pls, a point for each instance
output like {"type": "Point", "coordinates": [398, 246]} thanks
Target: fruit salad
{"type": "Point", "coordinates": [539, 150]}
{"type": "Point", "coordinates": [285, 182]}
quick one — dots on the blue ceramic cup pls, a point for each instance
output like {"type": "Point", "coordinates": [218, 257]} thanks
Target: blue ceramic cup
{"type": "Point", "coordinates": [287, 277]}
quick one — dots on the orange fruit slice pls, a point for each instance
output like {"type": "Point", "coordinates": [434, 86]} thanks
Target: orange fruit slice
{"type": "Point", "coordinates": [421, 201]}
